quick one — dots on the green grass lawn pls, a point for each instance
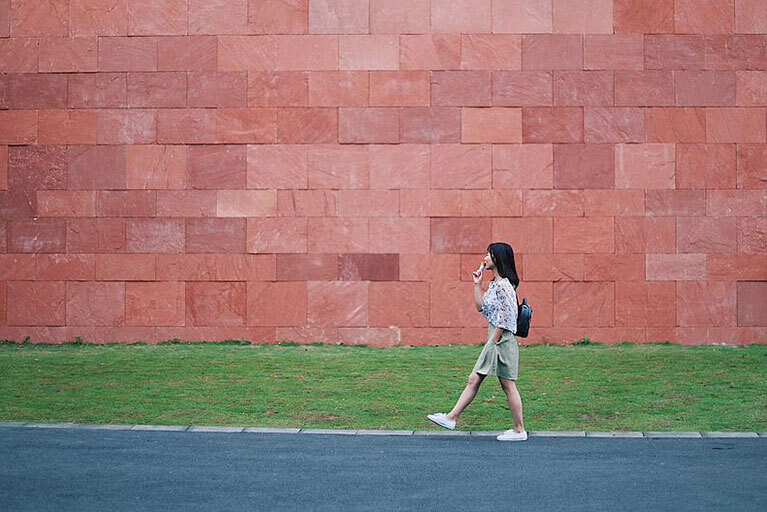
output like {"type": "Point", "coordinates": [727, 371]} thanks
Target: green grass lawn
{"type": "Point", "coordinates": [570, 387]}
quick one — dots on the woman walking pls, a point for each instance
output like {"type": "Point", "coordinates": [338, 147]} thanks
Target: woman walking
{"type": "Point", "coordinates": [500, 355]}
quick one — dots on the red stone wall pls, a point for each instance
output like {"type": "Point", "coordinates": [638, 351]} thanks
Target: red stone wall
{"type": "Point", "coordinates": [332, 170]}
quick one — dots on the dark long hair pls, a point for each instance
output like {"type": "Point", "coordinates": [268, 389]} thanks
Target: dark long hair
{"type": "Point", "coordinates": [503, 257]}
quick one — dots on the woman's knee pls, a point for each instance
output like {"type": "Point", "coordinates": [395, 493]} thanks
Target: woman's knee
{"type": "Point", "coordinates": [508, 385]}
{"type": "Point", "coordinates": [475, 379]}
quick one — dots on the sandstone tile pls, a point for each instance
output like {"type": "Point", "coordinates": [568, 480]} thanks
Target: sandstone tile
{"type": "Point", "coordinates": [3, 168]}
{"type": "Point", "coordinates": [401, 166]}
{"type": "Point", "coordinates": [735, 335]}
{"type": "Point", "coordinates": [245, 267]}
{"type": "Point", "coordinates": [307, 53]}
{"type": "Point", "coordinates": [125, 267]}
{"type": "Point", "coordinates": [95, 303]}
{"type": "Point", "coordinates": [368, 203]}
{"type": "Point", "coordinates": [368, 267]}
{"type": "Point", "coordinates": [583, 16]}
{"type": "Point", "coordinates": [498, 125]}
{"type": "Point", "coordinates": [306, 335]}
{"type": "Point", "coordinates": [337, 304]}
{"type": "Point", "coordinates": [307, 267]}
{"type": "Point", "coordinates": [676, 267]}
{"type": "Point", "coordinates": [19, 127]}
{"type": "Point", "coordinates": [552, 51]}
{"type": "Point", "coordinates": [457, 235]}
{"type": "Point", "coordinates": [614, 124]}
{"type": "Point", "coordinates": [278, 17]}
{"type": "Point", "coordinates": [155, 166]}
{"type": "Point", "coordinates": [128, 54]}
{"type": "Point", "coordinates": [338, 167]}
{"type": "Point", "coordinates": [706, 235]}
{"type": "Point", "coordinates": [584, 304]}
{"type": "Point", "coordinates": [705, 88]}
{"type": "Point", "coordinates": [307, 203]}
{"type": "Point", "coordinates": [430, 51]}
{"type": "Point", "coordinates": [212, 235]}
{"type": "Point", "coordinates": [338, 17]}
{"type": "Point", "coordinates": [278, 89]}
{"type": "Point", "coordinates": [368, 125]}
{"type": "Point", "coordinates": [752, 235]}
{"type": "Point", "coordinates": [645, 166]}
{"type": "Point", "coordinates": [552, 124]}
{"type": "Point", "coordinates": [146, 17]}
{"type": "Point", "coordinates": [706, 166]}
{"type": "Point", "coordinates": [186, 267]}
{"type": "Point", "coordinates": [445, 299]}
{"type": "Point", "coordinates": [36, 303]}
{"type": "Point", "coordinates": [522, 16]}
{"type": "Point", "coordinates": [461, 16]}
{"type": "Point", "coordinates": [579, 166]}
{"type": "Point", "coordinates": [503, 203]}
{"type": "Point", "coordinates": [18, 266]}
{"type": "Point", "coordinates": [368, 52]}
{"type": "Point", "coordinates": [32, 168]}
{"type": "Point", "coordinates": [218, 17]}
{"type": "Point", "coordinates": [430, 125]}
{"type": "Point", "coordinates": [398, 304]}
{"type": "Point", "coordinates": [157, 90]}
{"type": "Point", "coordinates": [155, 304]}
{"type": "Point", "coordinates": [584, 235]}
{"type": "Point", "coordinates": [461, 88]}
{"type": "Point", "coordinates": [307, 125]}
{"type": "Point", "coordinates": [613, 203]}
{"type": "Point", "coordinates": [216, 304]}
{"type": "Point", "coordinates": [700, 311]}
{"type": "Point", "coordinates": [706, 16]}
{"type": "Point", "coordinates": [399, 234]}
{"type": "Point", "coordinates": [523, 88]}
{"type": "Point", "coordinates": [429, 267]}
{"type": "Point", "coordinates": [276, 235]}
{"type": "Point", "coordinates": [30, 19]}
{"type": "Point", "coordinates": [338, 88]}
{"type": "Point", "coordinates": [32, 90]}
{"type": "Point", "coordinates": [676, 203]}
{"type": "Point", "coordinates": [217, 166]}
{"type": "Point", "coordinates": [752, 308]}
{"type": "Point", "coordinates": [68, 54]}
{"type": "Point", "coordinates": [186, 126]}
{"type": "Point", "coordinates": [553, 203]}
{"type": "Point", "coordinates": [644, 88]}
{"type": "Point", "coordinates": [750, 16]}
{"type": "Point", "coordinates": [736, 267]}
{"type": "Point", "coordinates": [400, 16]}
{"type": "Point", "coordinates": [751, 88]}
{"type": "Point", "coordinates": [736, 125]}
{"type": "Point", "coordinates": [335, 234]}
{"type": "Point", "coordinates": [247, 125]}
{"type": "Point", "coordinates": [645, 304]}
{"type": "Point", "coordinates": [97, 90]}
{"type": "Point", "coordinates": [528, 235]}
{"type": "Point", "coordinates": [187, 53]}
{"type": "Point", "coordinates": [69, 267]}
{"type": "Point", "coordinates": [430, 203]}
{"type": "Point", "coordinates": [247, 53]}
{"type": "Point", "coordinates": [553, 267]}
{"type": "Point", "coordinates": [277, 304]}
{"type": "Point", "coordinates": [644, 16]}
{"type": "Point", "coordinates": [684, 124]}
{"type": "Point", "coordinates": [98, 17]}
{"type": "Point", "coordinates": [154, 236]}
{"type": "Point", "coordinates": [640, 235]}
{"type": "Point", "coordinates": [613, 51]}
{"type": "Point", "coordinates": [583, 88]}
{"type": "Point", "coordinates": [491, 51]}
{"type": "Point", "coordinates": [36, 235]}
{"type": "Point", "coordinates": [186, 203]}
{"type": "Point", "coordinates": [399, 89]}
{"type": "Point", "coordinates": [752, 166]}
{"type": "Point", "coordinates": [122, 126]}
{"type": "Point", "coordinates": [674, 51]}
{"type": "Point", "coordinates": [66, 203]}
{"type": "Point", "coordinates": [282, 166]}
{"type": "Point", "coordinates": [67, 127]}
{"type": "Point", "coordinates": [614, 267]}
{"type": "Point", "coordinates": [20, 55]}
{"type": "Point", "coordinates": [736, 52]}
{"type": "Point", "coordinates": [520, 166]}
{"type": "Point", "coordinates": [461, 166]}
{"type": "Point", "coordinates": [89, 236]}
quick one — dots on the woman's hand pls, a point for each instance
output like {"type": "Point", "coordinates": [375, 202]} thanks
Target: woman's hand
{"type": "Point", "coordinates": [477, 275]}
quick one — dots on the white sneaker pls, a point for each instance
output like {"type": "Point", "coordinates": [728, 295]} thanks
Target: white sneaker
{"type": "Point", "coordinates": [511, 435]}
{"type": "Point", "coordinates": [442, 420]}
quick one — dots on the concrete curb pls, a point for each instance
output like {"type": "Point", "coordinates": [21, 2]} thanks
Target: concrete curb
{"type": "Point", "coordinates": [368, 432]}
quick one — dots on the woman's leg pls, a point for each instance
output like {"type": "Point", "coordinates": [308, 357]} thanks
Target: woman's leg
{"type": "Point", "coordinates": [469, 392]}
{"type": "Point", "coordinates": [515, 402]}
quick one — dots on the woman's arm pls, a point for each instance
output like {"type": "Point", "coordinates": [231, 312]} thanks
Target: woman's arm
{"type": "Point", "coordinates": [497, 333]}
{"type": "Point", "coordinates": [478, 296]}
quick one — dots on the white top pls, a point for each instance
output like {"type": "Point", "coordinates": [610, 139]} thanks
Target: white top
{"type": "Point", "coordinates": [499, 305]}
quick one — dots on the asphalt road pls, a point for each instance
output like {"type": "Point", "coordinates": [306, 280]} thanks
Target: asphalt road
{"type": "Point", "coordinates": [83, 470]}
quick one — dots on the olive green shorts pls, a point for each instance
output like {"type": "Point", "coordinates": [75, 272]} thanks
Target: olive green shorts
{"type": "Point", "coordinates": [502, 358]}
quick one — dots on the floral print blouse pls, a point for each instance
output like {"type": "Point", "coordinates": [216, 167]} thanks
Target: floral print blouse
{"type": "Point", "coordinates": [499, 305]}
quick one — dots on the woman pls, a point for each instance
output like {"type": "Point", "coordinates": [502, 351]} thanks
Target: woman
{"type": "Point", "coordinates": [500, 355]}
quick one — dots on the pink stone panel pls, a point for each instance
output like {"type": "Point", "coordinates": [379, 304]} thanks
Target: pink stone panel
{"type": "Point", "coordinates": [752, 235]}
{"type": "Point", "coordinates": [494, 203]}
{"type": "Point", "coordinates": [307, 267]}
{"type": "Point", "coordinates": [368, 203]}
{"type": "Point", "coordinates": [642, 235]}
{"type": "Point", "coordinates": [216, 304]}
{"type": "Point", "coordinates": [497, 125]}
{"type": "Point", "coordinates": [553, 267]}
{"type": "Point", "coordinates": [154, 236]}
{"type": "Point", "coordinates": [752, 166]}
{"type": "Point", "coordinates": [399, 16]}
{"type": "Point", "coordinates": [614, 267]}
{"type": "Point", "coordinates": [552, 51]}
{"type": "Point", "coordinates": [399, 234]}
{"type": "Point", "coordinates": [704, 16]}
{"type": "Point", "coordinates": [429, 267]}
{"type": "Point", "coordinates": [700, 311]}
{"type": "Point", "coordinates": [579, 166]}
{"type": "Point", "coordinates": [217, 166]}
{"type": "Point", "coordinates": [519, 166]}
{"type": "Point", "coordinates": [247, 125]}
{"type": "Point", "coordinates": [584, 235]}
{"type": "Point", "coordinates": [66, 203]}
{"type": "Point", "coordinates": [307, 53]}
{"type": "Point", "coordinates": [163, 90]}
{"type": "Point", "coordinates": [398, 304]}
{"type": "Point", "coordinates": [34, 18]}
{"type": "Point", "coordinates": [461, 166]}
{"type": "Point", "coordinates": [674, 52]}
{"type": "Point", "coordinates": [705, 88]}
{"type": "Point", "coordinates": [18, 266]}
{"type": "Point", "coordinates": [431, 51]}
{"type": "Point", "coordinates": [87, 236]}
{"type": "Point", "coordinates": [614, 51]}
{"type": "Point", "coordinates": [276, 235]}
{"type": "Point", "coordinates": [706, 235]}
{"type": "Point", "coordinates": [125, 267]}
{"type": "Point", "coordinates": [281, 166]}
{"type": "Point", "coordinates": [208, 235]}
{"type": "Point", "coordinates": [430, 203]}
{"type": "Point", "coordinates": [702, 166]}
{"type": "Point", "coordinates": [187, 53]}
{"type": "Point", "coordinates": [368, 52]}
{"type": "Point", "coordinates": [71, 267]}
{"type": "Point", "coordinates": [584, 304]}
{"type": "Point", "coordinates": [36, 235]}
{"type": "Point", "coordinates": [491, 51]}
{"type": "Point", "coordinates": [122, 126]}
{"type": "Point", "coordinates": [645, 304]}
{"type": "Point", "coordinates": [368, 125]}
{"type": "Point", "coordinates": [752, 308]}
{"type": "Point", "coordinates": [186, 203]}
{"type": "Point", "coordinates": [554, 203]}
{"type": "Point", "coordinates": [649, 166]}
{"type": "Point", "coordinates": [36, 303]}
{"type": "Point", "coordinates": [402, 166]}
{"type": "Point", "coordinates": [341, 304]}
{"type": "Point", "coordinates": [20, 126]}
{"type": "Point", "coordinates": [218, 17]}
{"type": "Point", "coordinates": [147, 17]}
{"type": "Point", "coordinates": [750, 16]}
{"type": "Point", "coordinates": [128, 54]}
{"type": "Point", "coordinates": [461, 16]}
{"type": "Point", "coordinates": [155, 304]}
{"type": "Point", "coordinates": [738, 52]}
{"type": "Point", "coordinates": [368, 267]}
{"type": "Point", "coordinates": [676, 267]}
{"type": "Point", "coordinates": [556, 124]}
{"type": "Point", "coordinates": [522, 88]}
{"type": "Point", "coordinates": [247, 53]}
{"type": "Point", "coordinates": [98, 17]}
{"type": "Point", "coordinates": [736, 267]}
{"type": "Point", "coordinates": [20, 55]}
{"type": "Point", "coordinates": [67, 127]}
{"type": "Point", "coordinates": [97, 90]}
{"type": "Point", "coordinates": [399, 89]}
{"type": "Point", "coordinates": [430, 125]}
{"type": "Point", "coordinates": [278, 16]}
{"type": "Point", "coordinates": [338, 166]}
{"type": "Point", "coordinates": [277, 304]}
{"type": "Point", "coordinates": [613, 203]}
{"type": "Point", "coordinates": [68, 54]}
{"type": "Point", "coordinates": [751, 88]}
{"type": "Point", "coordinates": [95, 303]}
{"type": "Point", "coordinates": [685, 124]}
{"type": "Point", "coordinates": [457, 235]}
{"type": "Point", "coordinates": [522, 16]}
{"type": "Point", "coordinates": [583, 88]}
{"type": "Point", "coordinates": [155, 167]}
{"type": "Point", "coordinates": [186, 126]}
{"type": "Point", "coordinates": [451, 304]}
{"type": "Point", "coordinates": [583, 16]}
{"type": "Point", "coordinates": [338, 88]}
{"type": "Point", "coordinates": [31, 90]}
{"type": "Point", "coordinates": [746, 125]}
{"type": "Point", "coordinates": [336, 234]}
{"type": "Point", "coordinates": [307, 125]}
{"type": "Point", "coordinates": [525, 235]}
{"type": "Point", "coordinates": [338, 16]}
{"type": "Point", "coordinates": [461, 88]}
{"type": "Point", "coordinates": [740, 203]}
{"type": "Point", "coordinates": [614, 124]}
{"type": "Point", "coordinates": [307, 203]}
{"type": "Point", "coordinates": [644, 16]}
{"type": "Point", "coordinates": [644, 88]}
{"type": "Point", "coordinates": [126, 203]}
{"type": "Point", "coordinates": [681, 203]}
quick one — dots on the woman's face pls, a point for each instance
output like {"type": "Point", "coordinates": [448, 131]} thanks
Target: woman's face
{"type": "Point", "coordinates": [489, 261]}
